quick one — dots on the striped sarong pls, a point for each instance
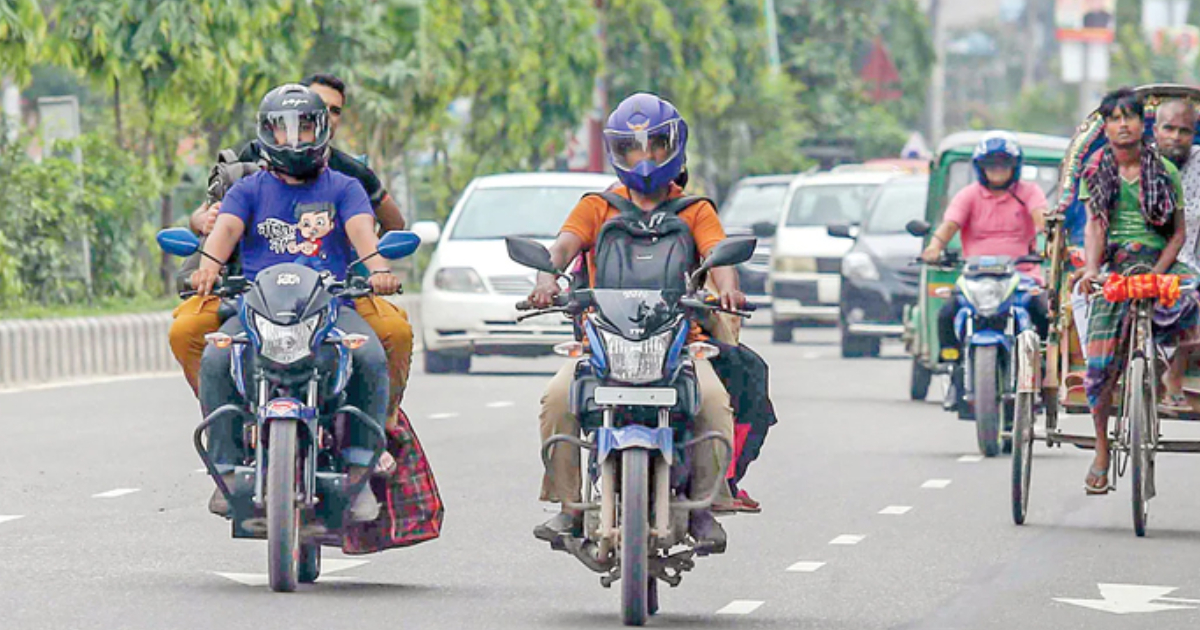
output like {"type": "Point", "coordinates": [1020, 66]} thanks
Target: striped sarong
{"type": "Point", "coordinates": [1108, 322]}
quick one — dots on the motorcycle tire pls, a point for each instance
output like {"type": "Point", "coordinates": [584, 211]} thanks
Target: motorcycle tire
{"type": "Point", "coordinates": [283, 522]}
{"type": "Point", "coordinates": [987, 400]}
{"type": "Point", "coordinates": [635, 536]}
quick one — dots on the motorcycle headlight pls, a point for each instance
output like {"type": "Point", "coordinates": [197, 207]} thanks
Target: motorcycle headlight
{"type": "Point", "coordinates": [636, 362]}
{"type": "Point", "coordinates": [859, 266]}
{"type": "Point", "coordinates": [986, 294]}
{"type": "Point", "coordinates": [286, 344]}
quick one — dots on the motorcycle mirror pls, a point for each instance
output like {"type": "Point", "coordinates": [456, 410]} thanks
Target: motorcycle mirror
{"type": "Point", "coordinates": [731, 251]}
{"type": "Point", "coordinates": [918, 228]}
{"type": "Point", "coordinates": [840, 230]}
{"type": "Point", "coordinates": [178, 242]}
{"type": "Point", "coordinates": [398, 244]}
{"type": "Point", "coordinates": [530, 253]}
{"type": "Point", "coordinates": [763, 229]}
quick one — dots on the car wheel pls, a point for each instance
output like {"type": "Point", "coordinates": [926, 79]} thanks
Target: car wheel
{"type": "Point", "coordinates": [443, 363]}
{"type": "Point", "coordinates": [854, 347]}
{"type": "Point", "coordinates": [781, 332]}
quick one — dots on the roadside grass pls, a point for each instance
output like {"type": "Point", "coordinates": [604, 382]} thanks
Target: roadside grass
{"type": "Point", "coordinates": [98, 308]}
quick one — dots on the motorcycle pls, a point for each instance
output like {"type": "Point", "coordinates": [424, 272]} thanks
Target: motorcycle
{"type": "Point", "coordinates": [292, 366]}
{"type": "Point", "coordinates": [991, 322]}
{"type": "Point", "coordinates": [635, 395]}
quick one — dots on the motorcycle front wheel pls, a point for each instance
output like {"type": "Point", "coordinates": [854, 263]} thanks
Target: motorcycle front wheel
{"type": "Point", "coordinates": [635, 536]}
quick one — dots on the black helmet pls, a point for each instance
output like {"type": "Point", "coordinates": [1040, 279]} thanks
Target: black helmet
{"type": "Point", "coordinates": [293, 130]}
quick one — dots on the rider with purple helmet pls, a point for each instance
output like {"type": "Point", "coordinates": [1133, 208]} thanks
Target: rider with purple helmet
{"type": "Point", "coordinates": [646, 140]}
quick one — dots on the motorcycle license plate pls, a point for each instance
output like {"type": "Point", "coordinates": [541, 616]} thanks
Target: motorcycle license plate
{"type": "Point", "coordinates": [636, 396]}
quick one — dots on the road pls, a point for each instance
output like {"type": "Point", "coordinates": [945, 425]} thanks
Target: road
{"type": "Point", "coordinates": [113, 531]}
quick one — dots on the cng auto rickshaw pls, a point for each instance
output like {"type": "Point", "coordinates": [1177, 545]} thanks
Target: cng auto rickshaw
{"type": "Point", "coordinates": [950, 172]}
{"type": "Point", "coordinates": [1134, 436]}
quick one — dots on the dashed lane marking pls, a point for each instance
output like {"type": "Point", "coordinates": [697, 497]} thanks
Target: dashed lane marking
{"type": "Point", "coordinates": [847, 539]}
{"type": "Point", "coordinates": [936, 484]}
{"type": "Point", "coordinates": [500, 404]}
{"type": "Point", "coordinates": [970, 459]}
{"type": "Point", "coordinates": [112, 494]}
{"type": "Point", "coordinates": [740, 607]}
{"type": "Point", "coordinates": [443, 416]}
{"type": "Point", "coordinates": [805, 567]}
{"type": "Point", "coordinates": [4, 518]}
{"type": "Point", "coordinates": [896, 510]}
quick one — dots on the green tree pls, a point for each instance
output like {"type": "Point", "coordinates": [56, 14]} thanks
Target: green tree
{"type": "Point", "coordinates": [22, 32]}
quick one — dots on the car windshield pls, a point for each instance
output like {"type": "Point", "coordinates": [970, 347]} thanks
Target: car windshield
{"type": "Point", "coordinates": [530, 211]}
{"type": "Point", "coordinates": [754, 203]}
{"type": "Point", "coordinates": [896, 205]}
{"type": "Point", "coordinates": [962, 174]}
{"type": "Point", "coordinates": [822, 205]}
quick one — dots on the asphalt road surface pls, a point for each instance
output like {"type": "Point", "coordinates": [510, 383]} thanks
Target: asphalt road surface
{"type": "Point", "coordinates": [876, 515]}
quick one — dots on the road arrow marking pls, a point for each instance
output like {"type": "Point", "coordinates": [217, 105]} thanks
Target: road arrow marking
{"type": "Point", "coordinates": [740, 607]}
{"type": "Point", "coordinates": [11, 517]}
{"type": "Point", "coordinates": [112, 494]}
{"type": "Point", "coordinates": [1125, 599]}
{"type": "Point", "coordinates": [327, 567]}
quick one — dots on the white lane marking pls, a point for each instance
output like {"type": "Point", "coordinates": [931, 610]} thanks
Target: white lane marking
{"type": "Point", "coordinates": [740, 607]}
{"type": "Point", "coordinates": [805, 567]}
{"type": "Point", "coordinates": [201, 471]}
{"type": "Point", "coordinates": [328, 566]}
{"type": "Point", "coordinates": [1124, 599]}
{"type": "Point", "coordinates": [90, 381]}
{"type": "Point", "coordinates": [812, 355]}
{"type": "Point", "coordinates": [112, 494]}
{"type": "Point", "coordinates": [970, 459]}
{"type": "Point", "coordinates": [500, 404]}
{"type": "Point", "coordinates": [847, 539]}
{"type": "Point", "coordinates": [896, 510]}
{"type": "Point", "coordinates": [936, 484]}
{"type": "Point", "coordinates": [443, 416]}
{"type": "Point", "coordinates": [11, 517]}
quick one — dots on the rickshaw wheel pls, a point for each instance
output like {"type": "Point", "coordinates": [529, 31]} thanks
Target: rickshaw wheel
{"type": "Point", "coordinates": [1022, 456]}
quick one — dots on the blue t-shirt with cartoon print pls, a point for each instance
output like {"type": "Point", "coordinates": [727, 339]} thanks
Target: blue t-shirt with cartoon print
{"type": "Point", "coordinates": [304, 224]}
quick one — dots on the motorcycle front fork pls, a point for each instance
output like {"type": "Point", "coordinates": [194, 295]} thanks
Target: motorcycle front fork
{"type": "Point", "coordinates": [608, 532]}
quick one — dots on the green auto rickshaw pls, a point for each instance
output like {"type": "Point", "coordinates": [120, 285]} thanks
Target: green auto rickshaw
{"type": "Point", "coordinates": [950, 172]}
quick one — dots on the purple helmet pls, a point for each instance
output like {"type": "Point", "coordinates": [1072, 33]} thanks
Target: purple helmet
{"type": "Point", "coordinates": [646, 139]}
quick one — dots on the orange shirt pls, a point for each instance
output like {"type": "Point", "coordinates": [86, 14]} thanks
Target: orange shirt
{"type": "Point", "coordinates": [592, 212]}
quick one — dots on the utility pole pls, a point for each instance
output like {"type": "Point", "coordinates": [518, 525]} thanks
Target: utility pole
{"type": "Point", "coordinates": [772, 35]}
{"type": "Point", "coordinates": [937, 79]}
{"type": "Point", "coordinates": [599, 101]}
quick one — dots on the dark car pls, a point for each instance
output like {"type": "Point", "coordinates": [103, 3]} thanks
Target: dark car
{"type": "Point", "coordinates": [753, 207]}
{"type": "Point", "coordinates": [879, 278]}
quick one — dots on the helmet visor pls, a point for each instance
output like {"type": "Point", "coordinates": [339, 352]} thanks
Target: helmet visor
{"type": "Point", "coordinates": [998, 160]}
{"type": "Point", "coordinates": [293, 129]}
{"type": "Point", "coordinates": [630, 148]}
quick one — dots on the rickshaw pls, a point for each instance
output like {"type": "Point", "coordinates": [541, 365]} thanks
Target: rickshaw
{"type": "Point", "coordinates": [1134, 435]}
{"type": "Point", "coordinates": [950, 172]}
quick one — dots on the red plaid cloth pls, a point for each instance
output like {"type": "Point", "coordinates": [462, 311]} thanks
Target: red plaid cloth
{"type": "Point", "coordinates": [412, 509]}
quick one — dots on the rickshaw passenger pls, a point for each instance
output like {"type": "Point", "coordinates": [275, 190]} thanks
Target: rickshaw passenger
{"type": "Point", "coordinates": [999, 215]}
{"type": "Point", "coordinates": [1133, 196]}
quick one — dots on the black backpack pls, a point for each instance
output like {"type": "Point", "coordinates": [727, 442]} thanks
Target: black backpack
{"type": "Point", "coordinates": [653, 251]}
{"type": "Point", "coordinates": [225, 173]}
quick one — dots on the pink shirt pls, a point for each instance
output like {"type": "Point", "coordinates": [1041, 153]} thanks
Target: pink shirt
{"type": "Point", "coordinates": [996, 223]}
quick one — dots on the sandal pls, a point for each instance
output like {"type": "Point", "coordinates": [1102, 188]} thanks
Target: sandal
{"type": "Point", "coordinates": [1096, 482]}
{"type": "Point", "coordinates": [1176, 402]}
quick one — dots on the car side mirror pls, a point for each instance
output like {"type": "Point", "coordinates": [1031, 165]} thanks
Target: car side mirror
{"type": "Point", "coordinates": [530, 253]}
{"type": "Point", "coordinates": [428, 231]}
{"type": "Point", "coordinates": [763, 229]}
{"type": "Point", "coordinates": [918, 228]}
{"type": "Point", "coordinates": [840, 230]}
{"type": "Point", "coordinates": [178, 242]}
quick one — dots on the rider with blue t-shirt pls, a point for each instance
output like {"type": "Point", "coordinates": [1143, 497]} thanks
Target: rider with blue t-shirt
{"type": "Point", "coordinates": [297, 211]}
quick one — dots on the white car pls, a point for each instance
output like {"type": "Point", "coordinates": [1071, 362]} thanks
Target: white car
{"type": "Point", "coordinates": [470, 290]}
{"type": "Point", "coordinates": [806, 262]}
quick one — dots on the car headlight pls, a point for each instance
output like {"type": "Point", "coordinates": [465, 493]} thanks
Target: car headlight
{"type": "Point", "coordinates": [986, 294]}
{"type": "Point", "coordinates": [459, 280]}
{"type": "Point", "coordinates": [286, 344]}
{"type": "Point", "coordinates": [859, 266]}
{"type": "Point", "coordinates": [794, 264]}
{"type": "Point", "coordinates": [636, 362]}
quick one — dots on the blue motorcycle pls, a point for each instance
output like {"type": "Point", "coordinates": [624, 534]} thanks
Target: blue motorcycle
{"type": "Point", "coordinates": [291, 366]}
{"type": "Point", "coordinates": [1000, 342]}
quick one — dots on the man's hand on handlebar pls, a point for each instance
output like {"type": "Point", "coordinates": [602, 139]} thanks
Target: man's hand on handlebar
{"type": "Point", "coordinates": [384, 283]}
{"type": "Point", "coordinates": [1088, 282]}
{"type": "Point", "coordinates": [932, 254]}
{"type": "Point", "coordinates": [544, 293]}
{"type": "Point", "coordinates": [733, 300]}
{"type": "Point", "coordinates": [202, 280]}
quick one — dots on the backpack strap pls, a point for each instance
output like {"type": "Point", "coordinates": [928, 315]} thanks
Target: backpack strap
{"type": "Point", "coordinates": [670, 206]}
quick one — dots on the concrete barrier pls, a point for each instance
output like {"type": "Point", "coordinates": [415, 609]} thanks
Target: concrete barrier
{"type": "Point", "coordinates": [39, 351]}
